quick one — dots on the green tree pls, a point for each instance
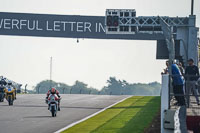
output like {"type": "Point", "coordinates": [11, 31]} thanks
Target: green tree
{"type": "Point", "coordinates": [114, 86]}
{"type": "Point", "coordinates": [45, 85]}
{"type": "Point", "coordinates": [79, 87]}
{"type": "Point", "coordinates": [122, 87]}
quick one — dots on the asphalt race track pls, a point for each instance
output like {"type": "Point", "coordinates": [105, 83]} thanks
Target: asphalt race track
{"type": "Point", "coordinates": [29, 113]}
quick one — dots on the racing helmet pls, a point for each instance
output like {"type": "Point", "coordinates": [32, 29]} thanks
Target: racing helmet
{"type": "Point", "coordinates": [53, 90]}
{"type": "Point", "coordinates": [3, 82]}
{"type": "Point", "coordinates": [9, 83]}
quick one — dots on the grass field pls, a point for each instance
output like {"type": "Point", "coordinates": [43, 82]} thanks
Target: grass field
{"type": "Point", "coordinates": [133, 115]}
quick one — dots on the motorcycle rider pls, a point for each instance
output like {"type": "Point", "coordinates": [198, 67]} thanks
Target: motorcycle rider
{"type": "Point", "coordinates": [10, 86]}
{"type": "Point", "coordinates": [53, 91]}
{"type": "Point", "coordinates": [2, 83]}
{"type": "Point", "coordinates": [2, 86]}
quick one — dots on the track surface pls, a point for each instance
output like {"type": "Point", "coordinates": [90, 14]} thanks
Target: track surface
{"type": "Point", "coordinates": [29, 113]}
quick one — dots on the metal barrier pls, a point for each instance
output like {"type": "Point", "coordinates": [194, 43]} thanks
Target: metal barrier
{"type": "Point", "coordinates": [173, 118]}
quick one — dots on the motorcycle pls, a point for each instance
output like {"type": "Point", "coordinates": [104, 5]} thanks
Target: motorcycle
{"type": "Point", "coordinates": [10, 95]}
{"type": "Point", "coordinates": [53, 104]}
{"type": "Point", "coordinates": [2, 93]}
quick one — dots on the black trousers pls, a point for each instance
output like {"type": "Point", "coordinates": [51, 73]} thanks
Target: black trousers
{"type": "Point", "coordinates": [178, 90]}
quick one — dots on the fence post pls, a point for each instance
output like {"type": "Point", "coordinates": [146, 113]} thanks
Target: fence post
{"type": "Point", "coordinates": [164, 101]}
{"type": "Point", "coordinates": [25, 88]}
{"type": "Point", "coordinates": [63, 90]}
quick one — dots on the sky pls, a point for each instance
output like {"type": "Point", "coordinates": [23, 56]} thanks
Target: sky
{"type": "Point", "coordinates": [26, 60]}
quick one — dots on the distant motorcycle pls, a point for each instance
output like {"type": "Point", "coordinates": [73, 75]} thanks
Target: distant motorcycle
{"type": "Point", "coordinates": [53, 104]}
{"type": "Point", "coordinates": [10, 95]}
{"type": "Point", "coordinates": [2, 93]}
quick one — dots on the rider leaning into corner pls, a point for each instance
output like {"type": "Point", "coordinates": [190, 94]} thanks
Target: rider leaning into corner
{"type": "Point", "coordinates": [54, 91]}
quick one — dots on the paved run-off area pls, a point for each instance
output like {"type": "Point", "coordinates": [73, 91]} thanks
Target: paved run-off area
{"type": "Point", "coordinates": [29, 113]}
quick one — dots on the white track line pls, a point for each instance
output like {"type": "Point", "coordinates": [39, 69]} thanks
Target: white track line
{"type": "Point", "coordinates": [77, 122]}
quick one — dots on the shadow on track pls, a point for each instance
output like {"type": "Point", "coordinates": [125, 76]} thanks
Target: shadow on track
{"type": "Point", "coordinates": [30, 106]}
{"type": "Point", "coordinates": [4, 105]}
{"type": "Point", "coordinates": [80, 107]}
{"type": "Point", "coordinates": [42, 106]}
{"type": "Point", "coordinates": [37, 117]}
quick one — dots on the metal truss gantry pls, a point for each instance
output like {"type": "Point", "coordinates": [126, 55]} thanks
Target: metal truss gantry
{"type": "Point", "coordinates": [128, 23]}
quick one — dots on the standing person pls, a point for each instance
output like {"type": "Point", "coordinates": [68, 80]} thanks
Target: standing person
{"type": "Point", "coordinates": [178, 83]}
{"type": "Point", "coordinates": [181, 68]}
{"type": "Point", "coordinates": [192, 75]}
{"type": "Point", "coordinates": [166, 71]}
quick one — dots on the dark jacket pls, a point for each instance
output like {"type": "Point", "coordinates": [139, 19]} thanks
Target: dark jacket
{"type": "Point", "coordinates": [192, 73]}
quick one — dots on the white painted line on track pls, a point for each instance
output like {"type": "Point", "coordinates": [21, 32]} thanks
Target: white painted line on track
{"type": "Point", "coordinates": [77, 122]}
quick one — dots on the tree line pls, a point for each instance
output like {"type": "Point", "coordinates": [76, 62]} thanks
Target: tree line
{"type": "Point", "coordinates": [113, 87]}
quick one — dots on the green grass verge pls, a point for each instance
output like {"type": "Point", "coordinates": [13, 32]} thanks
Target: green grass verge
{"type": "Point", "coordinates": [133, 115]}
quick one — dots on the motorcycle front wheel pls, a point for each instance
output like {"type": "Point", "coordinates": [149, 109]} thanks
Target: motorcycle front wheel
{"type": "Point", "coordinates": [10, 102]}
{"type": "Point", "coordinates": [1, 98]}
{"type": "Point", "coordinates": [53, 112]}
